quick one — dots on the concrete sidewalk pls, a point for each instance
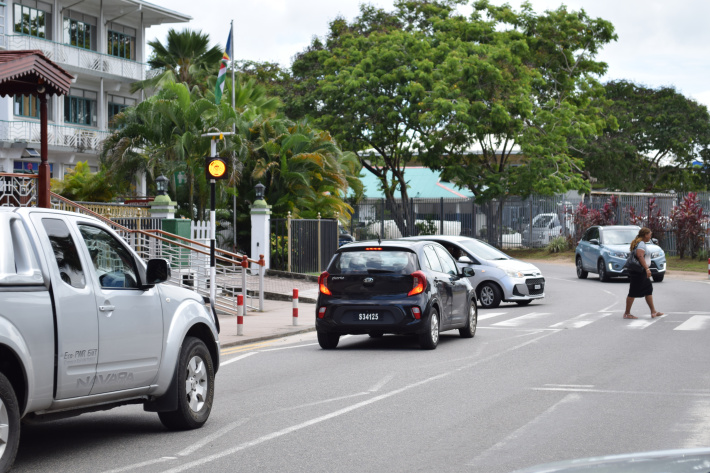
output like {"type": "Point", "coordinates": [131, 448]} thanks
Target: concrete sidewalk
{"type": "Point", "coordinates": [275, 321]}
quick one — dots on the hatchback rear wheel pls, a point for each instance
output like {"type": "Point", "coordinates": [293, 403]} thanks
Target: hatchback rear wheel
{"type": "Point", "coordinates": [327, 340]}
{"type": "Point", "coordinates": [430, 338]}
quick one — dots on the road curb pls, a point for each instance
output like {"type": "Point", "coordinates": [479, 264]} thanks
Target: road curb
{"type": "Point", "coordinates": [265, 337]}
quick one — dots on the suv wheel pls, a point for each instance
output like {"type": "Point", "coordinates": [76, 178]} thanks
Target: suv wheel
{"type": "Point", "coordinates": [470, 329]}
{"type": "Point", "coordinates": [658, 277]}
{"type": "Point", "coordinates": [195, 387]}
{"type": "Point", "coordinates": [490, 296]}
{"type": "Point", "coordinates": [430, 338]}
{"type": "Point", "coordinates": [9, 424]}
{"type": "Point", "coordinates": [601, 269]}
{"type": "Point", "coordinates": [327, 340]}
{"type": "Point", "coordinates": [581, 273]}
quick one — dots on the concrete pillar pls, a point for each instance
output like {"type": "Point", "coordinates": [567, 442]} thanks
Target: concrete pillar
{"type": "Point", "coordinates": [260, 233]}
{"type": "Point", "coordinates": [162, 207]}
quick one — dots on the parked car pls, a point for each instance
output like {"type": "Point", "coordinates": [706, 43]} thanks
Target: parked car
{"type": "Point", "coordinates": [604, 249]}
{"type": "Point", "coordinates": [402, 287]}
{"type": "Point", "coordinates": [498, 277]}
{"type": "Point", "coordinates": [344, 237]}
{"type": "Point", "coordinates": [545, 228]}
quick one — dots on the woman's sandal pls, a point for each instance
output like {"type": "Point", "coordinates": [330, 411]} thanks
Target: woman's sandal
{"type": "Point", "coordinates": [629, 316]}
{"type": "Point", "coordinates": [657, 314]}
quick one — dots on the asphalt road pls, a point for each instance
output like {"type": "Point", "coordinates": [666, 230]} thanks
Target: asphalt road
{"type": "Point", "coordinates": [562, 378]}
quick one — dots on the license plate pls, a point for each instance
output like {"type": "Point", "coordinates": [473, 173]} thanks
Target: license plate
{"type": "Point", "coordinates": [368, 316]}
{"type": "Point", "coordinates": [538, 286]}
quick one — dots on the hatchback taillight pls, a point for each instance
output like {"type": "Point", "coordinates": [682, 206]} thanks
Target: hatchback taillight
{"type": "Point", "coordinates": [418, 283]}
{"type": "Point", "coordinates": [323, 283]}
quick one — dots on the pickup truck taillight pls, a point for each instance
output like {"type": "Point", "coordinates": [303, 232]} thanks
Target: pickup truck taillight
{"type": "Point", "coordinates": [418, 283]}
{"type": "Point", "coordinates": [323, 283]}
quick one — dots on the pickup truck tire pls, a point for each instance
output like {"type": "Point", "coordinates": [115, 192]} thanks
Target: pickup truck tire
{"type": "Point", "coordinates": [195, 387]}
{"type": "Point", "coordinates": [9, 424]}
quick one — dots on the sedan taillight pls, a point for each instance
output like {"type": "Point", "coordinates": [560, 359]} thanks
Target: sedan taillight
{"type": "Point", "coordinates": [323, 283]}
{"type": "Point", "coordinates": [418, 283]}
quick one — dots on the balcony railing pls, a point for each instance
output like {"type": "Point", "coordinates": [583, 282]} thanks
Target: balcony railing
{"type": "Point", "coordinates": [80, 139]}
{"type": "Point", "coordinates": [65, 54]}
{"type": "Point", "coordinates": [18, 190]}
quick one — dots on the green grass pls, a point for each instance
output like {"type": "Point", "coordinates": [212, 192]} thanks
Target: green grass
{"type": "Point", "coordinates": [673, 262]}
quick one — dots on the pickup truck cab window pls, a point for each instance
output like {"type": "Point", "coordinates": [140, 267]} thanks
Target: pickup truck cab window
{"type": "Point", "coordinates": [114, 265]}
{"type": "Point", "coordinates": [65, 252]}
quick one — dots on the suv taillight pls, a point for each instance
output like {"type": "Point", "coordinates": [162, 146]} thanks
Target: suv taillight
{"type": "Point", "coordinates": [323, 283]}
{"type": "Point", "coordinates": [418, 283]}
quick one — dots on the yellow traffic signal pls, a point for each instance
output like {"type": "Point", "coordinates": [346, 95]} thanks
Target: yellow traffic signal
{"type": "Point", "coordinates": [215, 168]}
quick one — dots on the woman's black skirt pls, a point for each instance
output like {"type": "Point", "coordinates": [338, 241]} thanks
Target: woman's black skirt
{"type": "Point", "coordinates": [641, 285]}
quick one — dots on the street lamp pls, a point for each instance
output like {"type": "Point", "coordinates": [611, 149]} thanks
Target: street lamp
{"type": "Point", "coordinates": [259, 189]}
{"type": "Point", "coordinates": [162, 183]}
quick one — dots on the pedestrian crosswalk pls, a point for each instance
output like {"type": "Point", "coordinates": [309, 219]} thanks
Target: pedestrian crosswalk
{"type": "Point", "coordinates": [513, 319]}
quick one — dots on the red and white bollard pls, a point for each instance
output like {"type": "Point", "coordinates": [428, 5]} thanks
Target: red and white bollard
{"type": "Point", "coordinates": [240, 318]}
{"type": "Point", "coordinates": [295, 307]}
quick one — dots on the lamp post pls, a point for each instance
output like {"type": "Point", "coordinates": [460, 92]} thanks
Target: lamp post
{"type": "Point", "coordinates": [161, 183]}
{"type": "Point", "coordinates": [259, 190]}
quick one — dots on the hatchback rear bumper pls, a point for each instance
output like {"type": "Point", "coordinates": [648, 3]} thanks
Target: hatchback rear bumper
{"type": "Point", "coordinates": [351, 316]}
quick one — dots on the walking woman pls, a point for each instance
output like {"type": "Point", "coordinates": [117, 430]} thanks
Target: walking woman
{"type": "Point", "coordinates": [641, 285]}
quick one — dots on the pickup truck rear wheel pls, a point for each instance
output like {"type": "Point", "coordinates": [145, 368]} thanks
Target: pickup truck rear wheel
{"type": "Point", "coordinates": [9, 424]}
{"type": "Point", "coordinates": [195, 387]}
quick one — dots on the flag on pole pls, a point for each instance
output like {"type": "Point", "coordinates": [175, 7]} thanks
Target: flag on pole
{"type": "Point", "coordinates": [219, 88]}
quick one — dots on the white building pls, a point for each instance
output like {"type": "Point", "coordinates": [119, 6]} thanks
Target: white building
{"type": "Point", "coordinates": [102, 44]}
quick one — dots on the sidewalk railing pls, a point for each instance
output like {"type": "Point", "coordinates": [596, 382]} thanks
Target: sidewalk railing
{"type": "Point", "coordinates": [190, 262]}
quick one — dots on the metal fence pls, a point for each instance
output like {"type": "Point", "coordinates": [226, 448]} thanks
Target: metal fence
{"type": "Point", "coordinates": [303, 245]}
{"type": "Point", "coordinates": [516, 222]}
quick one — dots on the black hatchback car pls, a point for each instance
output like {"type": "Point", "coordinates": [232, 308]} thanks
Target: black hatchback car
{"type": "Point", "coordinates": [394, 286]}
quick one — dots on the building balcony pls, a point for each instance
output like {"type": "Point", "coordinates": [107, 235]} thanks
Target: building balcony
{"type": "Point", "coordinates": [77, 138]}
{"type": "Point", "coordinates": [80, 58]}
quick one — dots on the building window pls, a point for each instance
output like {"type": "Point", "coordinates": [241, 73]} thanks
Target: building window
{"type": "Point", "coordinates": [28, 167]}
{"type": "Point", "coordinates": [2, 22]}
{"type": "Point", "coordinates": [116, 105]}
{"type": "Point", "coordinates": [121, 45]}
{"type": "Point", "coordinates": [80, 107]}
{"type": "Point", "coordinates": [78, 33]}
{"type": "Point", "coordinates": [31, 21]}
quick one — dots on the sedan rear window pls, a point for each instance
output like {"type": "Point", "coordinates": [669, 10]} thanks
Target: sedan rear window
{"type": "Point", "coordinates": [374, 261]}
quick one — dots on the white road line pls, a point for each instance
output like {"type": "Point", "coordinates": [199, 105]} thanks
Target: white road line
{"type": "Point", "coordinates": [608, 309]}
{"type": "Point", "coordinates": [213, 436]}
{"type": "Point", "coordinates": [141, 465]}
{"type": "Point", "coordinates": [232, 360]}
{"type": "Point", "coordinates": [379, 385]}
{"type": "Point", "coordinates": [495, 449]}
{"type": "Point", "coordinates": [614, 391]}
{"type": "Point", "coordinates": [288, 430]}
{"type": "Point", "coordinates": [571, 385]}
{"type": "Point", "coordinates": [696, 322]}
{"type": "Point", "coordinates": [288, 348]}
{"type": "Point", "coordinates": [580, 321]}
{"type": "Point", "coordinates": [488, 315]}
{"type": "Point", "coordinates": [522, 319]}
{"type": "Point", "coordinates": [694, 424]}
{"type": "Point", "coordinates": [640, 324]}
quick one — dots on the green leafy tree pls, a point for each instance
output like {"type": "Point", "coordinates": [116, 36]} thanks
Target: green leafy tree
{"type": "Point", "coordinates": [80, 184]}
{"type": "Point", "coordinates": [185, 58]}
{"type": "Point", "coordinates": [660, 134]}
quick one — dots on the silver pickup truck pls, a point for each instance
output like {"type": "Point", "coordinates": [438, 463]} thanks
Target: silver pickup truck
{"type": "Point", "coordinates": [85, 325]}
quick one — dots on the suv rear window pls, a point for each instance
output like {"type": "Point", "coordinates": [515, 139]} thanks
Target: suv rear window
{"type": "Point", "coordinates": [374, 261]}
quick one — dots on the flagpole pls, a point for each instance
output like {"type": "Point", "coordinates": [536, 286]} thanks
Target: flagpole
{"type": "Point", "coordinates": [234, 130]}
{"type": "Point", "coordinates": [231, 56]}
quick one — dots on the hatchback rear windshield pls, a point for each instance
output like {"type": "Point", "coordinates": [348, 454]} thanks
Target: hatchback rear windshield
{"type": "Point", "coordinates": [374, 261]}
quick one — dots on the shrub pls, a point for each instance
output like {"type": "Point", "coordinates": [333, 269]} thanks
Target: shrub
{"type": "Point", "coordinates": [557, 245]}
{"type": "Point", "coordinates": [426, 228]}
{"type": "Point", "coordinates": [687, 219]}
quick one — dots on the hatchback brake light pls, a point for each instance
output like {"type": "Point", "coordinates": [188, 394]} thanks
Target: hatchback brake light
{"type": "Point", "coordinates": [418, 283]}
{"type": "Point", "coordinates": [323, 284]}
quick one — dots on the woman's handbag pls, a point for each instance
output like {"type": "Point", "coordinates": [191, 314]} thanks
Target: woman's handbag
{"type": "Point", "coordinates": [632, 264]}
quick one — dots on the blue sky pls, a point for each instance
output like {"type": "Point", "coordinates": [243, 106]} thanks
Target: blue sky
{"type": "Point", "coordinates": [660, 43]}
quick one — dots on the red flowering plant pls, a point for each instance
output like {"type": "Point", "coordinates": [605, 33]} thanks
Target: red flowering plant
{"type": "Point", "coordinates": [585, 218]}
{"type": "Point", "coordinates": [653, 221]}
{"type": "Point", "coordinates": [688, 219]}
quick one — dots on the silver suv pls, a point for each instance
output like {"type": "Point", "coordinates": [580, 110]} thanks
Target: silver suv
{"type": "Point", "coordinates": [499, 278]}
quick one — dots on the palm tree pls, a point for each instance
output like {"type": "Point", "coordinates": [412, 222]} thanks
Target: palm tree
{"type": "Point", "coordinates": [185, 58]}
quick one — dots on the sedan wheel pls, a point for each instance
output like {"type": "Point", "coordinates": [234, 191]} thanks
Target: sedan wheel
{"type": "Point", "coordinates": [601, 269]}
{"type": "Point", "coordinates": [430, 339]}
{"type": "Point", "coordinates": [490, 296]}
{"type": "Point", "coordinates": [470, 329]}
{"type": "Point", "coordinates": [581, 273]}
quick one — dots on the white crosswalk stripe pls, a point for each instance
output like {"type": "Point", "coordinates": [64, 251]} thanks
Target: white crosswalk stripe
{"type": "Point", "coordinates": [696, 322]}
{"type": "Point", "coordinates": [580, 321]}
{"type": "Point", "coordinates": [488, 315]}
{"type": "Point", "coordinates": [517, 321]}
